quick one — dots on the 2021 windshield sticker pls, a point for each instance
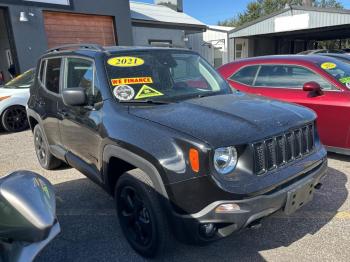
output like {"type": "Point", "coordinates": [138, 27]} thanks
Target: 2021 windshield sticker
{"type": "Point", "coordinates": [328, 66]}
{"type": "Point", "coordinates": [125, 61]}
{"type": "Point", "coordinates": [146, 92]}
{"type": "Point", "coordinates": [124, 92]}
{"type": "Point", "coordinates": [132, 81]}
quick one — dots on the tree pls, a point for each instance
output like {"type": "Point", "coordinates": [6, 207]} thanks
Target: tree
{"type": "Point", "coordinates": [328, 4]}
{"type": "Point", "coordinates": [259, 8]}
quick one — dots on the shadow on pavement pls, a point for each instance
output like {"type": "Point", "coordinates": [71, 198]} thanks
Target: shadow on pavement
{"type": "Point", "coordinates": [339, 157]}
{"type": "Point", "coordinates": [90, 230]}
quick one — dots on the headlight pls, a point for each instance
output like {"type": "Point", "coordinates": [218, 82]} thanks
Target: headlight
{"type": "Point", "coordinates": [225, 160]}
{"type": "Point", "coordinates": [4, 97]}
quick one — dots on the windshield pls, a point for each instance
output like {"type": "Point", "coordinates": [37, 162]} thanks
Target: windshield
{"type": "Point", "coordinates": [22, 81]}
{"type": "Point", "coordinates": [163, 76]}
{"type": "Point", "coordinates": [339, 70]}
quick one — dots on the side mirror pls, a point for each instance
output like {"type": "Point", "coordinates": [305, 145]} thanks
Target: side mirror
{"type": "Point", "coordinates": [27, 207]}
{"type": "Point", "coordinates": [313, 88]}
{"type": "Point", "coordinates": [74, 97]}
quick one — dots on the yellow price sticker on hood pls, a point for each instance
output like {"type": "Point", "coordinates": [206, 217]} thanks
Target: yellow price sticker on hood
{"type": "Point", "coordinates": [125, 61]}
{"type": "Point", "coordinates": [328, 66]}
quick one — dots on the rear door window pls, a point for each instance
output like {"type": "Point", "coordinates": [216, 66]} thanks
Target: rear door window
{"type": "Point", "coordinates": [245, 75]}
{"type": "Point", "coordinates": [53, 73]}
{"type": "Point", "coordinates": [288, 76]}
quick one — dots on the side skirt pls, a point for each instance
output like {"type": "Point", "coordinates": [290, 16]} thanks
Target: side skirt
{"type": "Point", "coordinates": [338, 150]}
{"type": "Point", "coordinates": [77, 163]}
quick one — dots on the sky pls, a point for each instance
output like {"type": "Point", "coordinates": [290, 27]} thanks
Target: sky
{"type": "Point", "coordinates": [212, 11]}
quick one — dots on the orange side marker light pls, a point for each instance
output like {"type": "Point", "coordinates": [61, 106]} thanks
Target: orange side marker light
{"type": "Point", "coordinates": [194, 159]}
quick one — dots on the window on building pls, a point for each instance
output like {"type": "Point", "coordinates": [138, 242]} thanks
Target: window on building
{"type": "Point", "coordinates": [160, 43]}
{"type": "Point", "coordinates": [53, 71]}
{"type": "Point", "coordinates": [239, 51]}
{"type": "Point", "coordinates": [246, 75]}
{"type": "Point", "coordinates": [288, 76]}
{"type": "Point", "coordinates": [80, 73]}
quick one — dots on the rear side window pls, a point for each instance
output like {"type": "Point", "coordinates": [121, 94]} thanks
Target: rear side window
{"type": "Point", "coordinates": [288, 76]}
{"type": "Point", "coordinates": [245, 75]}
{"type": "Point", "coordinates": [53, 72]}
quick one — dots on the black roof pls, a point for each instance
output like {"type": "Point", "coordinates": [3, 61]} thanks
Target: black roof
{"type": "Point", "coordinates": [112, 49]}
{"type": "Point", "coordinates": [93, 49]}
{"type": "Point", "coordinates": [340, 56]}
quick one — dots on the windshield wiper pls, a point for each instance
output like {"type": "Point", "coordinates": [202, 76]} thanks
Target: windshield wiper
{"type": "Point", "coordinates": [151, 102]}
{"type": "Point", "coordinates": [207, 94]}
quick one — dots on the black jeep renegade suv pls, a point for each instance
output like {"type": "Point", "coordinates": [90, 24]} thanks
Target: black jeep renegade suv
{"type": "Point", "coordinates": [182, 153]}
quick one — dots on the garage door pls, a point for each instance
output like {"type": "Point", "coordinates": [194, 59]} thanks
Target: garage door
{"type": "Point", "coordinates": [66, 28]}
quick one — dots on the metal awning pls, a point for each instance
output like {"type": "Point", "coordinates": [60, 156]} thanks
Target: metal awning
{"type": "Point", "coordinates": [299, 22]}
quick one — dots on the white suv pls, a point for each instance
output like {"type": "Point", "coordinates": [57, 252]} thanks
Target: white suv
{"type": "Point", "coordinates": [13, 100]}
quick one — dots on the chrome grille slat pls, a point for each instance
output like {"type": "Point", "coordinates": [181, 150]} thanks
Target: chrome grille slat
{"type": "Point", "coordinates": [274, 152]}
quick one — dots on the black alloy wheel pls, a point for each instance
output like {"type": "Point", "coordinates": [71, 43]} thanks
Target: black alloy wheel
{"type": "Point", "coordinates": [14, 119]}
{"type": "Point", "coordinates": [141, 217]}
{"type": "Point", "coordinates": [135, 217]}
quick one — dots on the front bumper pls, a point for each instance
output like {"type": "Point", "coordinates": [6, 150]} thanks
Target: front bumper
{"type": "Point", "coordinates": [250, 209]}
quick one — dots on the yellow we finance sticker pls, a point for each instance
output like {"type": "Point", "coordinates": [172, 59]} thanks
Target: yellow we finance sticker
{"type": "Point", "coordinates": [328, 66]}
{"type": "Point", "coordinates": [146, 92]}
{"type": "Point", "coordinates": [125, 61]}
{"type": "Point", "coordinates": [132, 81]}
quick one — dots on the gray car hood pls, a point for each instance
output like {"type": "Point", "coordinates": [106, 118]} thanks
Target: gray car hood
{"type": "Point", "coordinates": [224, 120]}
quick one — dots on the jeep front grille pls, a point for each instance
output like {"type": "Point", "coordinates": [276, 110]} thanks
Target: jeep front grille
{"type": "Point", "coordinates": [276, 151]}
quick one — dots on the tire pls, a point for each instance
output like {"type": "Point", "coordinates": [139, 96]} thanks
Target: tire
{"type": "Point", "coordinates": [45, 158]}
{"type": "Point", "coordinates": [14, 119]}
{"type": "Point", "coordinates": [135, 189]}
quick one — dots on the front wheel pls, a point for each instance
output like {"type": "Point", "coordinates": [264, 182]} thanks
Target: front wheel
{"type": "Point", "coordinates": [14, 119]}
{"type": "Point", "coordinates": [141, 217]}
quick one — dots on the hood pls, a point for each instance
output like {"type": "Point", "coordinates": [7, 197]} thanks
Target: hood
{"type": "Point", "coordinates": [226, 120]}
{"type": "Point", "coordinates": [12, 91]}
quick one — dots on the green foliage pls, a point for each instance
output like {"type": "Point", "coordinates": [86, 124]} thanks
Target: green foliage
{"type": "Point", "coordinates": [259, 8]}
{"type": "Point", "coordinates": [328, 4]}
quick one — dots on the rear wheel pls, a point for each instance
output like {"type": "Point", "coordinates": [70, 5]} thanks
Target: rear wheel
{"type": "Point", "coordinates": [46, 159]}
{"type": "Point", "coordinates": [141, 217]}
{"type": "Point", "coordinates": [14, 119]}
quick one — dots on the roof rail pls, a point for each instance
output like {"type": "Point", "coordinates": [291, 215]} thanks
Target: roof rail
{"type": "Point", "coordinates": [76, 46]}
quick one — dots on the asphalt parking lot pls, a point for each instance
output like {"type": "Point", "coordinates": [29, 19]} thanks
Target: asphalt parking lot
{"type": "Point", "coordinates": [90, 232]}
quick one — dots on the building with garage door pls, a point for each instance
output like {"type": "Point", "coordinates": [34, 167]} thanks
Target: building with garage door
{"type": "Point", "coordinates": [29, 27]}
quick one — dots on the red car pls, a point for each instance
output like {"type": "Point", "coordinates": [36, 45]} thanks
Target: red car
{"type": "Point", "coordinates": [318, 82]}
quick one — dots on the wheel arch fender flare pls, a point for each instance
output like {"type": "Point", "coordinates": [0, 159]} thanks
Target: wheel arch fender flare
{"type": "Point", "coordinates": [137, 161]}
{"type": "Point", "coordinates": [32, 114]}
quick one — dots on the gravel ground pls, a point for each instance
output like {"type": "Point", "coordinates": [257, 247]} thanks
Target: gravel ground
{"type": "Point", "coordinates": [318, 232]}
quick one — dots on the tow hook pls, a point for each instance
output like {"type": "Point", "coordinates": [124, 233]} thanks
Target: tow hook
{"type": "Point", "coordinates": [318, 186]}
